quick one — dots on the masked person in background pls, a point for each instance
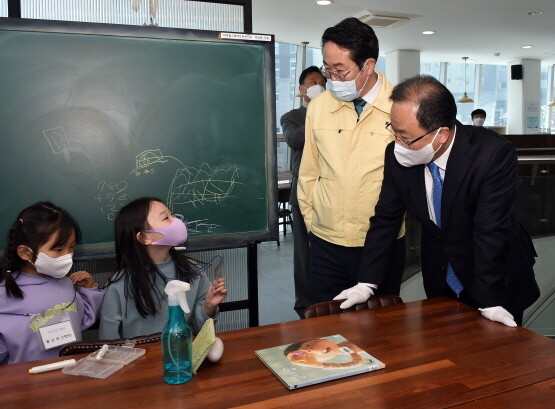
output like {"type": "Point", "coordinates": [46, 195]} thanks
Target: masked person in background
{"type": "Point", "coordinates": [341, 171]}
{"type": "Point", "coordinates": [478, 117]}
{"type": "Point", "coordinates": [311, 84]}
{"type": "Point", "coordinates": [460, 182]}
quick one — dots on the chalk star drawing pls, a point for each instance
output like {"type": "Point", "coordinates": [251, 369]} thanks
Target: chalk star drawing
{"type": "Point", "coordinates": [57, 139]}
{"type": "Point", "coordinates": [198, 186]}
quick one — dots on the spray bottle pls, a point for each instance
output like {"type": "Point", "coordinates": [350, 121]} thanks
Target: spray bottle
{"type": "Point", "coordinates": [177, 336]}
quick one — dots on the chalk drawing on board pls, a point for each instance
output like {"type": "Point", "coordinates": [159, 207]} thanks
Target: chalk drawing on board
{"type": "Point", "coordinates": [192, 186]}
{"type": "Point", "coordinates": [111, 197]}
{"type": "Point", "coordinates": [57, 139]}
{"type": "Point", "coordinates": [201, 227]}
{"type": "Point", "coordinates": [147, 158]}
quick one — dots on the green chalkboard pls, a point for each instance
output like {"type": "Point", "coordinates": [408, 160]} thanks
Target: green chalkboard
{"type": "Point", "coordinates": [96, 115]}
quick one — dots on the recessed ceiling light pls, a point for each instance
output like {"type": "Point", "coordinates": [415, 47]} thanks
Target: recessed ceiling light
{"type": "Point", "coordinates": [527, 46]}
{"type": "Point", "coordinates": [534, 13]}
{"type": "Point", "coordinates": [323, 2]}
{"type": "Point", "coordinates": [428, 32]}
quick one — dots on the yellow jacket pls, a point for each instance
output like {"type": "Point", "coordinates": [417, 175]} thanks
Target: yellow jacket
{"type": "Point", "coordinates": [341, 171]}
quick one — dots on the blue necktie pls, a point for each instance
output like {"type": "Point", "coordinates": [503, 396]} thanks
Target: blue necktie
{"type": "Point", "coordinates": [452, 279]}
{"type": "Point", "coordinates": [359, 105]}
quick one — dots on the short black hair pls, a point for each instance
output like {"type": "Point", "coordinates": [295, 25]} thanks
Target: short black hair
{"type": "Point", "coordinates": [355, 36]}
{"type": "Point", "coordinates": [436, 105]}
{"type": "Point", "coordinates": [307, 71]}
{"type": "Point", "coordinates": [478, 111]}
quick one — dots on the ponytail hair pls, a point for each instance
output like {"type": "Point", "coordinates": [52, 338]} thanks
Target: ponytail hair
{"type": "Point", "coordinates": [33, 227]}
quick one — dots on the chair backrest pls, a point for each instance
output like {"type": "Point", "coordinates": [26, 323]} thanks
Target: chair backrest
{"type": "Point", "coordinates": [332, 307]}
{"type": "Point", "coordinates": [91, 346]}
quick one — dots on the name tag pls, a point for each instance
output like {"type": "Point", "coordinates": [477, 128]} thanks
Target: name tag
{"type": "Point", "coordinates": [56, 335]}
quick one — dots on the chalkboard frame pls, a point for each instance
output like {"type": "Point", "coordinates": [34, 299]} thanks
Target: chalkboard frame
{"type": "Point", "coordinates": [105, 250]}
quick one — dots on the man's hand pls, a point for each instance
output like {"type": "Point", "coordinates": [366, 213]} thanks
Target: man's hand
{"type": "Point", "coordinates": [498, 314]}
{"type": "Point", "coordinates": [356, 295]}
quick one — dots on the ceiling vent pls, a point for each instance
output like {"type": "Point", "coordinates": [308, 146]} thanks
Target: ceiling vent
{"type": "Point", "coordinates": [379, 20]}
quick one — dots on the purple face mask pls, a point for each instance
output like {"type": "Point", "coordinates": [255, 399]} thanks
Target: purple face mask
{"type": "Point", "coordinates": [174, 234]}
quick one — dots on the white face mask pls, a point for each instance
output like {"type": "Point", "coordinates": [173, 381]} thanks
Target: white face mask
{"type": "Point", "coordinates": [347, 90]}
{"type": "Point", "coordinates": [478, 121]}
{"type": "Point", "coordinates": [409, 157]}
{"type": "Point", "coordinates": [314, 91]}
{"type": "Point", "coordinates": [53, 267]}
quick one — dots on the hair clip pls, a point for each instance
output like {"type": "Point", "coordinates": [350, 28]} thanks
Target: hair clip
{"type": "Point", "coordinates": [21, 221]}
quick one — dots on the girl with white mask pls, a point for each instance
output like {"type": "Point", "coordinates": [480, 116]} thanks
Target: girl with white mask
{"type": "Point", "coordinates": [40, 309]}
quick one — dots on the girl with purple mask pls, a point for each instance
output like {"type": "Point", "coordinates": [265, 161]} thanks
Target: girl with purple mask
{"type": "Point", "coordinates": [135, 303]}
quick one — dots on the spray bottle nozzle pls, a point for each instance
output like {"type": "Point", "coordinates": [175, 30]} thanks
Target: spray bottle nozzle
{"type": "Point", "coordinates": [175, 290]}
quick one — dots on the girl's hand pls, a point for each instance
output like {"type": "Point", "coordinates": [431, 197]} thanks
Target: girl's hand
{"type": "Point", "coordinates": [214, 296]}
{"type": "Point", "coordinates": [82, 279]}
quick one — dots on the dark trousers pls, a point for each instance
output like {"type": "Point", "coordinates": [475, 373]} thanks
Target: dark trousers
{"type": "Point", "coordinates": [467, 299]}
{"type": "Point", "coordinates": [335, 268]}
{"type": "Point", "coordinates": [301, 262]}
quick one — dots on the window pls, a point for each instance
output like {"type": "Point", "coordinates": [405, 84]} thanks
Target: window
{"type": "Point", "coordinates": [3, 8]}
{"type": "Point", "coordinates": [196, 15]}
{"type": "Point", "coordinates": [493, 94]}
{"type": "Point", "coordinates": [547, 114]}
{"type": "Point", "coordinates": [380, 64]}
{"type": "Point", "coordinates": [286, 79]}
{"type": "Point", "coordinates": [314, 57]}
{"type": "Point", "coordinates": [431, 68]}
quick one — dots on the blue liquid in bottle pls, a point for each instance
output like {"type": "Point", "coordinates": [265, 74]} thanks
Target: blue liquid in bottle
{"type": "Point", "coordinates": [177, 348]}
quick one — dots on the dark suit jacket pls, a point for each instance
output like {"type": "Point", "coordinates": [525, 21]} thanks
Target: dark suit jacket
{"type": "Point", "coordinates": [480, 236]}
{"type": "Point", "coordinates": [292, 124]}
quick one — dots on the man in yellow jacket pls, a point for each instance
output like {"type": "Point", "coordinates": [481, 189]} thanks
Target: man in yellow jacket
{"type": "Point", "coordinates": [342, 165]}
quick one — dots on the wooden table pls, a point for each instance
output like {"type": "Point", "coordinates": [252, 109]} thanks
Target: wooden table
{"type": "Point", "coordinates": [439, 353]}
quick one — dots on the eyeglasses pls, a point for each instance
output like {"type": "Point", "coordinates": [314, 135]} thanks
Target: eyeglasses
{"type": "Point", "coordinates": [404, 141]}
{"type": "Point", "coordinates": [340, 75]}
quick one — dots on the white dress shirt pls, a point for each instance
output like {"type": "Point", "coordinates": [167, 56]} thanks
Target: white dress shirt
{"type": "Point", "coordinates": [441, 163]}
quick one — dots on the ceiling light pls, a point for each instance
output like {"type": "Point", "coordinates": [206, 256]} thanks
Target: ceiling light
{"type": "Point", "coordinates": [428, 32]}
{"type": "Point", "coordinates": [534, 13]}
{"type": "Point", "coordinates": [465, 99]}
{"type": "Point", "coordinates": [528, 46]}
{"type": "Point", "coordinates": [323, 2]}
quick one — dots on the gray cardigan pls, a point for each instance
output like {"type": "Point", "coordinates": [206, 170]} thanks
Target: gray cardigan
{"type": "Point", "coordinates": [119, 317]}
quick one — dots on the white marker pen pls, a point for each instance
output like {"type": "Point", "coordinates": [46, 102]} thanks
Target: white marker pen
{"type": "Point", "coordinates": [52, 367]}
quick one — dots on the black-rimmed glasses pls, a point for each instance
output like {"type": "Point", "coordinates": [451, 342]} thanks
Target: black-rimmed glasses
{"type": "Point", "coordinates": [404, 141]}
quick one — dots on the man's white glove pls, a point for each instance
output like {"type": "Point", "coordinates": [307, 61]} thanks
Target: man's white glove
{"type": "Point", "coordinates": [499, 314]}
{"type": "Point", "coordinates": [356, 295]}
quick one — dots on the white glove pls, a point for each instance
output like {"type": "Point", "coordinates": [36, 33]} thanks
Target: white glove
{"type": "Point", "coordinates": [356, 295]}
{"type": "Point", "coordinates": [498, 314]}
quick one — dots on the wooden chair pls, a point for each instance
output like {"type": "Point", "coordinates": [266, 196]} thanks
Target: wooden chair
{"type": "Point", "coordinates": [91, 346]}
{"type": "Point", "coordinates": [332, 307]}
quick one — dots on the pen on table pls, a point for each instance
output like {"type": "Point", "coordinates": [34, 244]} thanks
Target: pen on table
{"type": "Point", "coordinates": [52, 367]}
{"type": "Point", "coordinates": [102, 352]}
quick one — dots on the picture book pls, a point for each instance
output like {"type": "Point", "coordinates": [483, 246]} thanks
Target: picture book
{"type": "Point", "coordinates": [317, 360]}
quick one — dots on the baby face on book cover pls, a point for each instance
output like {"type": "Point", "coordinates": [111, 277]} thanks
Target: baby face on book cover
{"type": "Point", "coordinates": [316, 352]}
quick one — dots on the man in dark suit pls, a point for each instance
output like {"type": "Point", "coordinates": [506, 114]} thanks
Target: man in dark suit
{"type": "Point", "coordinates": [460, 182]}
{"type": "Point", "coordinates": [311, 84]}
